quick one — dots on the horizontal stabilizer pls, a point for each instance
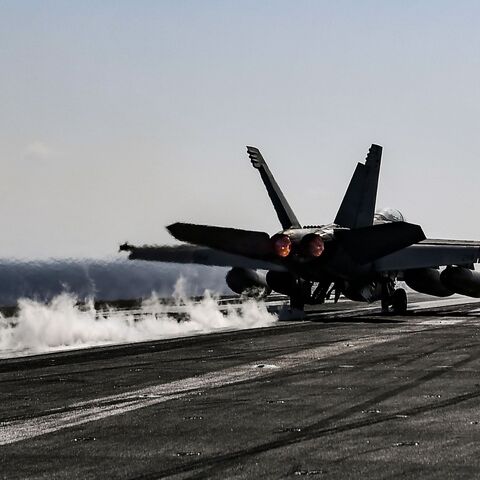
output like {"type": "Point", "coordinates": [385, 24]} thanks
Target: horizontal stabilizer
{"type": "Point", "coordinates": [370, 243]}
{"type": "Point", "coordinates": [196, 255]}
{"type": "Point", "coordinates": [284, 212]}
{"type": "Point", "coordinates": [241, 242]}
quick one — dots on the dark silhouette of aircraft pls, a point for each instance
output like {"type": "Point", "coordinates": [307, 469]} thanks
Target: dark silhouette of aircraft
{"type": "Point", "coordinates": [361, 254]}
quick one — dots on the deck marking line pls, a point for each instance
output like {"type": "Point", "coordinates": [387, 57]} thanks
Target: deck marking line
{"type": "Point", "coordinates": [104, 407]}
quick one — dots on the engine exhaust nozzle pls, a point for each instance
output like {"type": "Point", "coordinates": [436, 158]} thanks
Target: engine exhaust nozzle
{"type": "Point", "coordinates": [282, 245]}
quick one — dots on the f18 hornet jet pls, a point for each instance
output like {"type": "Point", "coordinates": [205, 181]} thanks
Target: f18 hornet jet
{"type": "Point", "coordinates": [361, 254]}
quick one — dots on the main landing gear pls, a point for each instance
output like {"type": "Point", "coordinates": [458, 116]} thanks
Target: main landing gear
{"type": "Point", "coordinates": [300, 295]}
{"type": "Point", "coordinates": [395, 298]}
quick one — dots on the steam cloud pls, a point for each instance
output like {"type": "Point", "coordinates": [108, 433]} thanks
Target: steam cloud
{"type": "Point", "coordinates": [61, 324]}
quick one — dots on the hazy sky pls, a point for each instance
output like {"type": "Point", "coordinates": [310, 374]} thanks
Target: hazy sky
{"type": "Point", "coordinates": [120, 117]}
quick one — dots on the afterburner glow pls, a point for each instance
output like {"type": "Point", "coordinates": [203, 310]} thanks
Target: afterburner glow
{"type": "Point", "coordinates": [282, 245]}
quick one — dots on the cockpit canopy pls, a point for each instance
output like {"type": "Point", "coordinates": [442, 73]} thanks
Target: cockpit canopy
{"type": "Point", "coordinates": [389, 215]}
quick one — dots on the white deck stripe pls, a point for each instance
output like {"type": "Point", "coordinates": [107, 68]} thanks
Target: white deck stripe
{"type": "Point", "coordinates": [104, 407]}
{"type": "Point", "coordinates": [443, 302]}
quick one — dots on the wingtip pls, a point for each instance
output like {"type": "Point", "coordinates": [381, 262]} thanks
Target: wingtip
{"type": "Point", "coordinates": [421, 234]}
{"type": "Point", "coordinates": [126, 247]}
{"type": "Point", "coordinates": [416, 230]}
{"type": "Point", "coordinates": [172, 227]}
{"type": "Point", "coordinates": [180, 230]}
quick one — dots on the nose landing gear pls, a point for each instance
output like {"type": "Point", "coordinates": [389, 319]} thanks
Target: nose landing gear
{"type": "Point", "coordinates": [399, 301]}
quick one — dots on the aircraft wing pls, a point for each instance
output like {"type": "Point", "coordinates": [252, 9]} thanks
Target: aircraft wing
{"type": "Point", "coordinates": [430, 253]}
{"type": "Point", "coordinates": [462, 243]}
{"type": "Point", "coordinates": [197, 255]}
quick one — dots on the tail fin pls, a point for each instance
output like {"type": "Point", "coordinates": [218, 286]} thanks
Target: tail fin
{"type": "Point", "coordinates": [284, 212]}
{"type": "Point", "coordinates": [358, 204]}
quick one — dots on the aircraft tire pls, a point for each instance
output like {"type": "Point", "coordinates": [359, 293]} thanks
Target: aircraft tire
{"type": "Point", "coordinates": [399, 301]}
{"type": "Point", "coordinates": [385, 304]}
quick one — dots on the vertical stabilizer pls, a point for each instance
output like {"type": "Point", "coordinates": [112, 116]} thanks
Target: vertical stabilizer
{"type": "Point", "coordinates": [285, 213]}
{"type": "Point", "coordinates": [358, 205]}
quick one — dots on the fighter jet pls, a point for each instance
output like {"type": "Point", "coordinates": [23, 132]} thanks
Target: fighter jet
{"type": "Point", "coordinates": [361, 254]}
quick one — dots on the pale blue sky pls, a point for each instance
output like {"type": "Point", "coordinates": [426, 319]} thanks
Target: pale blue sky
{"type": "Point", "coordinates": [119, 117]}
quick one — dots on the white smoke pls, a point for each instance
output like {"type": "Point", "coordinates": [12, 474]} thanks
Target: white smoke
{"type": "Point", "coordinates": [62, 324]}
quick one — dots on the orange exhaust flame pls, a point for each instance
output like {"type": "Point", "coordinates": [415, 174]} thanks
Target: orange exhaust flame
{"type": "Point", "coordinates": [282, 245]}
{"type": "Point", "coordinates": [316, 246]}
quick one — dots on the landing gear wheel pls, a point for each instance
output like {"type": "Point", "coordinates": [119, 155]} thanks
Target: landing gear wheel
{"type": "Point", "coordinates": [399, 301]}
{"type": "Point", "coordinates": [301, 295]}
{"type": "Point", "coordinates": [388, 289]}
{"type": "Point", "coordinates": [385, 304]}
